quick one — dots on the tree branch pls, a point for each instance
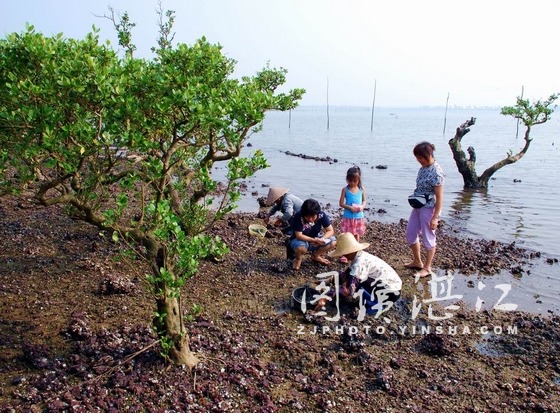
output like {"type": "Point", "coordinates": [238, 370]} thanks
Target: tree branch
{"type": "Point", "coordinates": [509, 159]}
{"type": "Point", "coordinates": [464, 128]}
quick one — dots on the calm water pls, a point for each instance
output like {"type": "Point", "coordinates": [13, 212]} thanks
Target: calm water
{"type": "Point", "coordinates": [525, 212]}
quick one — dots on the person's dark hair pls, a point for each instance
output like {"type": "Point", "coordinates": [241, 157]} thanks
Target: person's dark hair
{"type": "Point", "coordinates": [424, 150]}
{"type": "Point", "coordinates": [310, 207]}
{"type": "Point", "coordinates": [352, 172]}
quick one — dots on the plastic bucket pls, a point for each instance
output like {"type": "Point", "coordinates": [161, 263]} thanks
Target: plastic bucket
{"type": "Point", "coordinates": [257, 230]}
{"type": "Point", "coordinates": [297, 296]}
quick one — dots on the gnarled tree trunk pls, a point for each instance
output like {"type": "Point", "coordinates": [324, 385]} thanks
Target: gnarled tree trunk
{"type": "Point", "coordinates": [467, 167]}
{"type": "Point", "coordinates": [180, 352]}
{"type": "Point", "coordinates": [170, 328]}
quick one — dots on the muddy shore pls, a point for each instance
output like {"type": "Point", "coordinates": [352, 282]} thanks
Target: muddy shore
{"type": "Point", "coordinates": [75, 330]}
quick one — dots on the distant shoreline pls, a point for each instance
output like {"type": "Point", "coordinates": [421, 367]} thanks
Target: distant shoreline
{"type": "Point", "coordinates": [368, 108]}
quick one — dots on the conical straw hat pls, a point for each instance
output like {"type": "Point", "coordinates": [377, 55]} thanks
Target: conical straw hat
{"type": "Point", "coordinates": [347, 244]}
{"type": "Point", "coordinates": [275, 192]}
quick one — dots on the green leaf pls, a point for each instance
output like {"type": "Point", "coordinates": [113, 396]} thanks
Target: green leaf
{"type": "Point", "coordinates": [70, 109]}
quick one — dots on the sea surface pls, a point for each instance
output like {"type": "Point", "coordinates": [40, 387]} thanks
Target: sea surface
{"type": "Point", "coordinates": [521, 205]}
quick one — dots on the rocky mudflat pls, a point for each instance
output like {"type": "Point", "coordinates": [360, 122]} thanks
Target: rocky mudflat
{"type": "Point", "coordinates": [75, 330]}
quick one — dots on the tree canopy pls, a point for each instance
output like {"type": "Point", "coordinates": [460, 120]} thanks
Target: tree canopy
{"type": "Point", "coordinates": [129, 144]}
{"type": "Point", "coordinates": [530, 113]}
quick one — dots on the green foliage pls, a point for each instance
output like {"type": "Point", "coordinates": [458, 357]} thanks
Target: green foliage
{"type": "Point", "coordinates": [124, 27]}
{"type": "Point", "coordinates": [194, 311]}
{"type": "Point", "coordinates": [126, 254]}
{"type": "Point", "coordinates": [166, 342]}
{"type": "Point", "coordinates": [130, 144]}
{"type": "Point", "coordinates": [165, 28]}
{"type": "Point", "coordinates": [166, 346]}
{"type": "Point", "coordinates": [531, 113]}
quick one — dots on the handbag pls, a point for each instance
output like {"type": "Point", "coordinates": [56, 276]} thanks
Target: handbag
{"type": "Point", "coordinates": [418, 201]}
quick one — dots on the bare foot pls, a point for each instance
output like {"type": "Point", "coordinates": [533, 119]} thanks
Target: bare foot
{"type": "Point", "coordinates": [414, 266]}
{"type": "Point", "coordinates": [423, 273]}
{"type": "Point", "coordinates": [296, 264]}
{"type": "Point", "coordinates": [320, 260]}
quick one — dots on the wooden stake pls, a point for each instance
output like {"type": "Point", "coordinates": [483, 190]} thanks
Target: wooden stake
{"type": "Point", "coordinates": [328, 104]}
{"type": "Point", "coordinates": [289, 118]}
{"type": "Point", "coordinates": [517, 131]}
{"type": "Point", "coordinates": [373, 104]}
{"type": "Point", "coordinates": [445, 117]}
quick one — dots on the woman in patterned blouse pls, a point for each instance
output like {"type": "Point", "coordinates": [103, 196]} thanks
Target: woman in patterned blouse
{"type": "Point", "coordinates": [424, 221]}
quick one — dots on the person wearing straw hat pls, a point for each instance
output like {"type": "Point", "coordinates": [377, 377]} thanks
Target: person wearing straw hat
{"type": "Point", "coordinates": [284, 202]}
{"type": "Point", "coordinates": [367, 272]}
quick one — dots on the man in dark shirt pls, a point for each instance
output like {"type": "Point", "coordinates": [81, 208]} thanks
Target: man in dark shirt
{"type": "Point", "coordinates": [312, 232]}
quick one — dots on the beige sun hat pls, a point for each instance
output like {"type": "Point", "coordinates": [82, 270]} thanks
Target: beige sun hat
{"type": "Point", "coordinates": [275, 192]}
{"type": "Point", "coordinates": [346, 244]}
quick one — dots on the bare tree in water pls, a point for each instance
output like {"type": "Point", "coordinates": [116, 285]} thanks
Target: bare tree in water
{"type": "Point", "coordinates": [529, 113]}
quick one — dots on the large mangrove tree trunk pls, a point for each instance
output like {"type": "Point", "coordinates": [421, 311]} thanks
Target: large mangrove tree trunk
{"type": "Point", "coordinates": [529, 113]}
{"type": "Point", "coordinates": [466, 166]}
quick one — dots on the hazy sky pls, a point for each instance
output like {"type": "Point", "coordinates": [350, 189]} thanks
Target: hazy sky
{"type": "Point", "coordinates": [481, 52]}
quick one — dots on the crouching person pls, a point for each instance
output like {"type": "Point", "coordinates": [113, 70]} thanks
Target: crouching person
{"type": "Point", "coordinates": [307, 225]}
{"type": "Point", "coordinates": [286, 203]}
{"type": "Point", "coordinates": [380, 284]}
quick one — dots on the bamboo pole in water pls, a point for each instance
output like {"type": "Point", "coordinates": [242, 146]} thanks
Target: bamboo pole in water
{"type": "Point", "coordinates": [289, 118]}
{"type": "Point", "coordinates": [445, 117]}
{"type": "Point", "coordinates": [373, 103]}
{"type": "Point", "coordinates": [328, 103]}
{"type": "Point", "coordinates": [517, 131]}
